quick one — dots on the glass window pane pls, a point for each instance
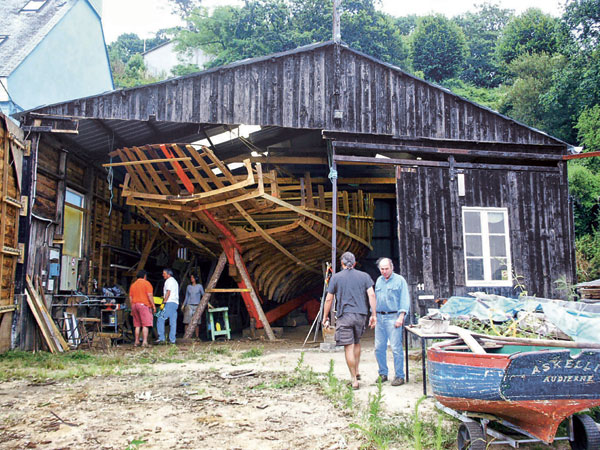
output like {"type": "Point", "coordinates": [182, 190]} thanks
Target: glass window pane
{"type": "Point", "coordinates": [472, 222]}
{"type": "Point", "coordinates": [496, 222]}
{"type": "Point", "coordinates": [473, 244]}
{"type": "Point", "coordinates": [499, 270]}
{"type": "Point", "coordinates": [475, 269]}
{"type": "Point", "coordinates": [74, 198]}
{"type": "Point", "coordinates": [73, 220]}
{"type": "Point", "coordinates": [497, 246]}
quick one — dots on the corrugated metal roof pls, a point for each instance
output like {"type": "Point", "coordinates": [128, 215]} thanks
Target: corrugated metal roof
{"type": "Point", "coordinates": [26, 29]}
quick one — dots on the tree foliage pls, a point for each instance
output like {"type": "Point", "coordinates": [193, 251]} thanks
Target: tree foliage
{"type": "Point", "coordinates": [482, 29]}
{"type": "Point", "coordinates": [262, 27]}
{"type": "Point", "coordinates": [183, 8]}
{"type": "Point", "coordinates": [583, 19]}
{"type": "Point", "coordinates": [126, 61]}
{"type": "Point", "coordinates": [531, 32]}
{"type": "Point", "coordinates": [438, 48]}
{"type": "Point", "coordinates": [532, 78]}
{"type": "Point", "coordinates": [129, 44]}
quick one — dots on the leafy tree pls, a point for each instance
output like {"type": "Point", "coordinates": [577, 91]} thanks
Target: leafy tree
{"type": "Point", "coordinates": [482, 30]}
{"type": "Point", "coordinates": [531, 32]}
{"type": "Point", "coordinates": [184, 69]}
{"type": "Point", "coordinates": [492, 98]}
{"type": "Point", "coordinates": [126, 45]}
{"type": "Point", "coordinates": [438, 48]}
{"type": "Point", "coordinates": [584, 187]}
{"type": "Point", "coordinates": [407, 24]}
{"type": "Point", "coordinates": [587, 256]}
{"type": "Point", "coordinates": [574, 88]}
{"type": "Point", "coordinates": [588, 127]}
{"type": "Point", "coordinates": [133, 73]}
{"type": "Point", "coordinates": [532, 76]}
{"type": "Point", "coordinates": [262, 27]}
{"type": "Point", "coordinates": [583, 19]}
{"type": "Point", "coordinates": [375, 34]}
{"type": "Point", "coordinates": [183, 8]}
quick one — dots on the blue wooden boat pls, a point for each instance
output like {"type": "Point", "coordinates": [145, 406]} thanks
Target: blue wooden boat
{"type": "Point", "coordinates": [533, 390]}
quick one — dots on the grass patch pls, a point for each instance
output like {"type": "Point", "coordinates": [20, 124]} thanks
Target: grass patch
{"type": "Point", "coordinates": [40, 366]}
{"type": "Point", "coordinates": [254, 352]}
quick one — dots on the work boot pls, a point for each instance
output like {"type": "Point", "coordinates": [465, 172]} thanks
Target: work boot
{"type": "Point", "coordinates": [398, 382]}
{"type": "Point", "coordinates": [381, 379]}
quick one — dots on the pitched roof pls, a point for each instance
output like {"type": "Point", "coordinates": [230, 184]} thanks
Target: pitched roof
{"type": "Point", "coordinates": [26, 29]}
{"type": "Point", "coordinates": [294, 89]}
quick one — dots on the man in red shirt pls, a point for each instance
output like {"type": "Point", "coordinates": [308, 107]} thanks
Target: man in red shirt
{"type": "Point", "coordinates": [142, 307]}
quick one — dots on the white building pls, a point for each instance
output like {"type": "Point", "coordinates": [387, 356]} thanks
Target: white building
{"type": "Point", "coordinates": [160, 60]}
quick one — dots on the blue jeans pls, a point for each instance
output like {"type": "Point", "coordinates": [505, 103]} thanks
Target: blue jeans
{"type": "Point", "coordinates": [171, 314]}
{"type": "Point", "coordinates": [384, 331]}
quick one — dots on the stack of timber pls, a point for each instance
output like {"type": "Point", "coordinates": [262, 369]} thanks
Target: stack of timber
{"type": "Point", "coordinates": [52, 336]}
{"type": "Point", "coordinates": [282, 225]}
{"type": "Point", "coordinates": [590, 290]}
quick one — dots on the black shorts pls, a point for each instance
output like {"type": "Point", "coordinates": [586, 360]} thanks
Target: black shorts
{"type": "Point", "coordinates": [349, 328]}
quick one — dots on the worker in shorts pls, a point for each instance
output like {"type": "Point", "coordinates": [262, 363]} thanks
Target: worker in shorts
{"type": "Point", "coordinates": [142, 307]}
{"type": "Point", "coordinates": [354, 295]}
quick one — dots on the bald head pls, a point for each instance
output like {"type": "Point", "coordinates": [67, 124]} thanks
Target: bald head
{"type": "Point", "coordinates": [386, 267]}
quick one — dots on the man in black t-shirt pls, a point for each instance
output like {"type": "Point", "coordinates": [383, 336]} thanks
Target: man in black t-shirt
{"type": "Point", "coordinates": [354, 292]}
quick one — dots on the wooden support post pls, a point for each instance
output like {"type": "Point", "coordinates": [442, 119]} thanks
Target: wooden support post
{"type": "Point", "coordinates": [207, 294]}
{"type": "Point", "coordinates": [147, 250]}
{"type": "Point", "coordinates": [261, 314]}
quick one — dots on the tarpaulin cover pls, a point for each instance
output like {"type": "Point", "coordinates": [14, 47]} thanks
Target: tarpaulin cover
{"type": "Point", "coordinates": [579, 325]}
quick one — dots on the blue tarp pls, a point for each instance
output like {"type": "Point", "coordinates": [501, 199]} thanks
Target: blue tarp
{"type": "Point", "coordinates": [581, 326]}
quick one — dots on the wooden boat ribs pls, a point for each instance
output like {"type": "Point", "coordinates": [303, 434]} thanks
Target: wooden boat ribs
{"type": "Point", "coordinates": [282, 225]}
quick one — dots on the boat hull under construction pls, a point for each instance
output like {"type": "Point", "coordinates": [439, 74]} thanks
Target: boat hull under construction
{"type": "Point", "coordinates": [281, 225]}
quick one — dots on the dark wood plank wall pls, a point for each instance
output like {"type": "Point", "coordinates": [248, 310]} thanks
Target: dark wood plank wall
{"type": "Point", "coordinates": [101, 229]}
{"type": "Point", "coordinates": [297, 90]}
{"type": "Point", "coordinates": [430, 227]}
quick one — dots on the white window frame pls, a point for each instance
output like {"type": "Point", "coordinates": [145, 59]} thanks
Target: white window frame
{"type": "Point", "coordinates": [485, 236]}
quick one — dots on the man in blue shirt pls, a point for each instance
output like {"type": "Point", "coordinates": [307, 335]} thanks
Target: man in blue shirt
{"type": "Point", "coordinates": [354, 295]}
{"type": "Point", "coordinates": [393, 304]}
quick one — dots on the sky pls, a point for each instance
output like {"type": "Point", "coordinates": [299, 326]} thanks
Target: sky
{"type": "Point", "coordinates": [145, 17]}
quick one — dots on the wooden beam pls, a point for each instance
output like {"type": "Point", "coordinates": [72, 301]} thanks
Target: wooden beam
{"type": "Point", "coordinates": [261, 314]}
{"type": "Point", "coordinates": [148, 161]}
{"type": "Point", "coordinates": [207, 294]}
{"type": "Point", "coordinates": [188, 236]}
{"type": "Point", "coordinates": [444, 151]}
{"type": "Point", "coordinates": [272, 241]}
{"type": "Point", "coordinates": [315, 218]}
{"type": "Point", "coordinates": [225, 290]}
{"type": "Point", "coordinates": [368, 161]}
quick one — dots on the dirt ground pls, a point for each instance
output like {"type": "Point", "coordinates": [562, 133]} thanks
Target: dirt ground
{"type": "Point", "coordinates": [194, 405]}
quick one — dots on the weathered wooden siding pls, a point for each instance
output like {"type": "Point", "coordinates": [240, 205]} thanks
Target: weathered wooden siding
{"type": "Point", "coordinates": [10, 193]}
{"type": "Point", "coordinates": [430, 227]}
{"type": "Point", "coordinates": [298, 90]}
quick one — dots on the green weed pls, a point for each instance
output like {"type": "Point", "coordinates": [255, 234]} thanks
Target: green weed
{"type": "Point", "coordinates": [135, 444]}
{"type": "Point", "coordinates": [253, 352]}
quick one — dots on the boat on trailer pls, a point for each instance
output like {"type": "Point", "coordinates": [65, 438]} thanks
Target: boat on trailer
{"type": "Point", "coordinates": [530, 390]}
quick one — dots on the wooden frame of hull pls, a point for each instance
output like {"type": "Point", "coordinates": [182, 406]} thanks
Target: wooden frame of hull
{"type": "Point", "coordinates": [283, 230]}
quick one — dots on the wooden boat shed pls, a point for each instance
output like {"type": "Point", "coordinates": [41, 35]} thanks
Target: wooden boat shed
{"type": "Point", "coordinates": [465, 198]}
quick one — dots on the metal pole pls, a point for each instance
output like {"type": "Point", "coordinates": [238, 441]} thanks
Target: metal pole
{"type": "Point", "coordinates": [337, 35]}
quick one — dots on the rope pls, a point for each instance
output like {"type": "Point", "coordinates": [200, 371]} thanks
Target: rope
{"type": "Point", "coordinates": [109, 179]}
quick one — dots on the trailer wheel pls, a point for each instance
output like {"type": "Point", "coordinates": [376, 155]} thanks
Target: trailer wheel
{"type": "Point", "coordinates": [471, 437]}
{"type": "Point", "coordinates": [586, 435]}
